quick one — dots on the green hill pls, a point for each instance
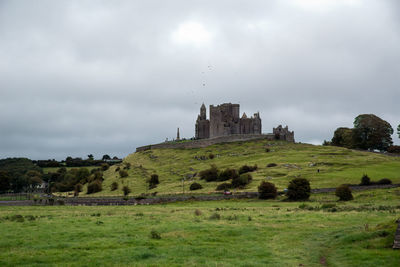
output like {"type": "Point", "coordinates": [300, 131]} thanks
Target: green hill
{"type": "Point", "coordinates": [336, 166]}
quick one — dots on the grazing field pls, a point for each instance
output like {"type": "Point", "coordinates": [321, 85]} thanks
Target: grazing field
{"type": "Point", "coordinates": [336, 166]}
{"type": "Point", "coordinates": [318, 232]}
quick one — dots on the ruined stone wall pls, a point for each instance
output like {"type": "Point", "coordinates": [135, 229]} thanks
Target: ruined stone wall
{"type": "Point", "coordinates": [207, 142]}
{"type": "Point", "coordinates": [224, 120]}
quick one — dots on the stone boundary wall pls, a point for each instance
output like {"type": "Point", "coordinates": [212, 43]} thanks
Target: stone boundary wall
{"type": "Point", "coordinates": [207, 142]}
{"type": "Point", "coordinates": [396, 242]}
{"type": "Point", "coordinates": [117, 201]}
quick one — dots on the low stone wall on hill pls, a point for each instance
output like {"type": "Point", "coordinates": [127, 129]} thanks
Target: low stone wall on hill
{"type": "Point", "coordinates": [207, 142]}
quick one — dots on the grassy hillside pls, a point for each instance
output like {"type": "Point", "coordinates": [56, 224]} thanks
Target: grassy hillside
{"type": "Point", "coordinates": [320, 232]}
{"type": "Point", "coordinates": [336, 165]}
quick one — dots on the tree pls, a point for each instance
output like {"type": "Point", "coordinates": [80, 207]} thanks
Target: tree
{"type": "Point", "coordinates": [267, 190]}
{"type": "Point", "coordinates": [90, 156]}
{"type": "Point", "coordinates": [106, 157]}
{"type": "Point", "coordinates": [398, 130]}
{"type": "Point", "coordinates": [4, 181]}
{"type": "Point", "coordinates": [343, 137]}
{"type": "Point", "coordinates": [344, 193]}
{"type": "Point", "coordinates": [299, 189]}
{"type": "Point", "coordinates": [126, 190]}
{"type": "Point", "coordinates": [371, 132]}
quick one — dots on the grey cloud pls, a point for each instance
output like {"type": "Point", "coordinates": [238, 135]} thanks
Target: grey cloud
{"type": "Point", "coordinates": [80, 77]}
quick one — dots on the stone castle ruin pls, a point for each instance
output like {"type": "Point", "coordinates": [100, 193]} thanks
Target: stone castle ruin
{"type": "Point", "coordinates": [224, 125]}
{"type": "Point", "coordinates": [224, 120]}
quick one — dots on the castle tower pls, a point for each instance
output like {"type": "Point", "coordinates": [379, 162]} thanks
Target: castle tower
{"type": "Point", "coordinates": [177, 135]}
{"type": "Point", "coordinates": [202, 128]}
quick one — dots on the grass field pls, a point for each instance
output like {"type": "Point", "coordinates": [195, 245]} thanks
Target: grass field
{"type": "Point", "coordinates": [319, 232]}
{"type": "Point", "coordinates": [336, 166]}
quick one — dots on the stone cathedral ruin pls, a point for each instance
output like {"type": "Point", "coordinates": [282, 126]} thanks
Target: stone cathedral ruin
{"type": "Point", "coordinates": [225, 120]}
{"type": "Point", "coordinates": [224, 125]}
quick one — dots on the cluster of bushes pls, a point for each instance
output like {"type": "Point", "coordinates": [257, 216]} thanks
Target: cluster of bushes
{"type": "Point", "coordinates": [195, 186]}
{"type": "Point", "coordinates": [394, 149]}
{"type": "Point", "coordinates": [365, 180]}
{"type": "Point", "coordinates": [239, 178]}
{"type": "Point", "coordinates": [153, 181]}
{"type": "Point", "coordinates": [19, 174]}
{"type": "Point", "coordinates": [245, 169]}
{"type": "Point", "coordinates": [369, 132]}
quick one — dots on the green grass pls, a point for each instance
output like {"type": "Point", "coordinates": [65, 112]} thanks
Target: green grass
{"type": "Point", "coordinates": [248, 233]}
{"type": "Point", "coordinates": [336, 165]}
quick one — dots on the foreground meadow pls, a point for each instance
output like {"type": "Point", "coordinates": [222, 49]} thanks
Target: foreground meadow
{"type": "Point", "coordinates": [318, 232]}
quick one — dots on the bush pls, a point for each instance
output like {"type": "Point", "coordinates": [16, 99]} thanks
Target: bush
{"type": "Point", "coordinates": [393, 149]}
{"type": "Point", "coordinates": [153, 182]}
{"type": "Point", "coordinates": [245, 169]}
{"type": "Point", "coordinates": [155, 235]}
{"type": "Point", "coordinates": [267, 190]}
{"type": "Point", "coordinates": [215, 216]}
{"type": "Point", "coordinates": [123, 173]}
{"type": "Point", "coordinates": [224, 187]}
{"type": "Point", "coordinates": [228, 174]}
{"type": "Point", "coordinates": [195, 186]}
{"type": "Point", "coordinates": [344, 193]}
{"type": "Point", "coordinates": [114, 186]}
{"type": "Point", "coordinates": [210, 174]}
{"type": "Point", "coordinates": [242, 180]}
{"type": "Point", "coordinates": [197, 212]}
{"type": "Point", "coordinates": [365, 180]}
{"type": "Point", "coordinates": [94, 187]}
{"type": "Point", "coordinates": [104, 166]}
{"type": "Point", "coordinates": [211, 156]}
{"type": "Point", "coordinates": [272, 165]}
{"type": "Point", "coordinates": [299, 189]}
{"type": "Point", "coordinates": [126, 190]}
{"type": "Point", "coordinates": [385, 181]}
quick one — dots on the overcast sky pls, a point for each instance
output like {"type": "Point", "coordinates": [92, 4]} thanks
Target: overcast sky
{"type": "Point", "coordinates": [103, 77]}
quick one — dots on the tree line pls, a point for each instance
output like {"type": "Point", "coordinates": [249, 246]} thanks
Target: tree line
{"type": "Point", "coordinates": [369, 133]}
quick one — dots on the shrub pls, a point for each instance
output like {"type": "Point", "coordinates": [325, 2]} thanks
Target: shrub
{"type": "Point", "coordinates": [299, 189]}
{"type": "Point", "coordinates": [215, 216]}
{"type": "Point", "coordinates": [385, 181]}
{"type": "Point", "coordinates": [210, 174]}
{"type": "Point", "coordinates": [344, 193]}
{"type": "Point", "coordinates": [126, 190]}
{"type": "Point", "coordinates": [365, 180]}
{"type": "Point", "coordinates": [393, 149]}
{"type": "Point", "coordinates": [114, 186]}
{"type": "Point", "coordinates": [197, 212]}
{"type": "Point", "coordinates": [224, 187]}
{"type": "Point", "coordinates": [94, 187]}
{"type": "Point", "coordinates": [228, 174]}
{"type": "Point", "coordinates": [123, 173]}
{"type": "Point", "coordinates": [195, 186]}
{"type": "Point", "coordinates": [155, 235]}
{"type": "Point", "coordinates": [242, 180]}
{"type": "Point", "coordinates": [153, 182]}
{"type": "Point", "coordinates": [267, 190]}
{"type": "Point", "coordinates": [211, 156]}
{"type": "Point", "coordinates": [272, 165]}
{"type": "Point", "coordinates": [104, 166]}
{"type": "Point", "coordinates": [245, 169]}
{"type": "Point", "coordinates": [117, 169]}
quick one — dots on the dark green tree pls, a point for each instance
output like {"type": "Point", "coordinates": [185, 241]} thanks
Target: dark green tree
{"type": "Point", "coordinates": [4, 181]}
{"type": "Point", "coordinates": [299, 189]}
{"type": "Point", "coordinates": [398, 130]}
{"type": "Point", "coordinates": [371, 132]}
{"type": "Point", "coordinates": [343, 137]}
{"type": "Point", "coordinates": [106, 157]}
{"type": "Point", "coordinates": [267, 190]}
